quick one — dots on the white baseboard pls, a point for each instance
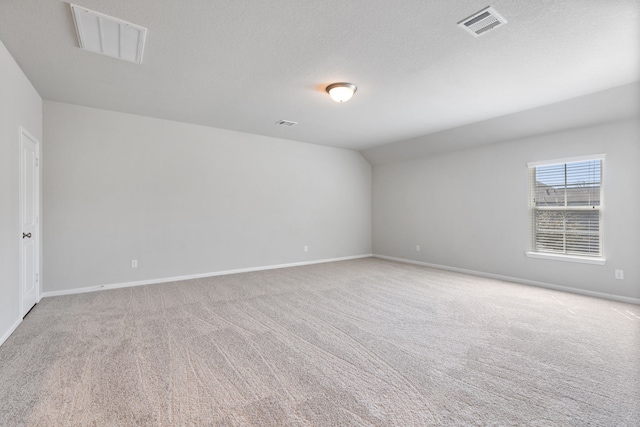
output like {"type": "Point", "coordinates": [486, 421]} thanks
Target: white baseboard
{"type": "Point", "coordinates": [10, 331]}
{"type": "Point", "coordinates": [193, 276]}
{"type": "Point", "coordinates": [515, 280]}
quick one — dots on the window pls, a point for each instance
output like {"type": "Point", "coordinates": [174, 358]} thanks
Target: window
{"type": "Point", "coordinates": [565, 200]}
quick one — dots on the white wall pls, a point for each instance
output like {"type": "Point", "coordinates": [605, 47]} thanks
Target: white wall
{"type": "Point", "coordinates": [468, 209]}
{"type": "Point", "coordinates": [607, 106]}
{"type": "Point", "coordinates": [186, 199]}
{"type": "Point", "coordinates": [20, 105]}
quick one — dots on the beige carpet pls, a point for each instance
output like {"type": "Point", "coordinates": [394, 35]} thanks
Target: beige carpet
{"type": "Point", "coordinates": [355, 343]}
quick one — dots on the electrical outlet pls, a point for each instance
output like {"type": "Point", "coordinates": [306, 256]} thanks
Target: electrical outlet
{"type": "Point", "coordinates": [306, 248]}
{"type": "Point", "coordinates": [417, 248]}
{"type": "Point", "coordinates": [619, 274]}
{"type": "Point", "coordinates": [134, 263]}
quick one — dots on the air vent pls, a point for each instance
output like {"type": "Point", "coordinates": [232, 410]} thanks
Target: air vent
{"type": "Point", "coordinates": [286, 123]}
{"type": "Point", "coordinates": [481, 22]}
{"type": "Point", "coordinates": [109, 36]}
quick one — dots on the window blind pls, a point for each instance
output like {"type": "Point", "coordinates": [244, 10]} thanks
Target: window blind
{"type": "Point", "coordinates": [565, 201]}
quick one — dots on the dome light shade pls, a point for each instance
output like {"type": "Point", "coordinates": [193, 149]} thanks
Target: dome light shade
{"type": "Point", "coordinates": [341, 92]}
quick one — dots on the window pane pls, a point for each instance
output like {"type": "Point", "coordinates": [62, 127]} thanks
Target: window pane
{"type": "Point", "coordinates": [583, 221]}
{"type": "Point", "coordinates": [583, 183]}
{"type": "Point", "coordinates": [583, 232]}
{"type": "Point", "coordinates": [550, 185]}
{"type": "Point", "coordinates": [549, 231]}
{"type": "Point", "coordinates": [582, 244]}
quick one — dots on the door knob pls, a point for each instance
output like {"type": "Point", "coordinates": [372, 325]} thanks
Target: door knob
{"type": "Point", "coordinates": [27, 235]}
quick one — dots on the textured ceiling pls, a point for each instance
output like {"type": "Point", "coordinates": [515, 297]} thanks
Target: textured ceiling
{"type": "Point", "coordinates": [243, 65]}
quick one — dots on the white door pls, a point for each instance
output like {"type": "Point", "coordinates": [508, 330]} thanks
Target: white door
{"type": "Point", "coordinates": [29, 211]}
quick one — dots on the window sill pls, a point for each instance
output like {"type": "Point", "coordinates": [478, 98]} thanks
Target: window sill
{"type": "Point", "coordinates": [569, 258]}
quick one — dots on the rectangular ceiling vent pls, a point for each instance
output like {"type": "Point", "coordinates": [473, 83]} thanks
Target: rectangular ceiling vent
{"type": "Point", "coordinates": [286, 123]}
{"type": "Point", "coordinates": [483, 21]}
{"type": "Point", "coordinates": [109, 36]}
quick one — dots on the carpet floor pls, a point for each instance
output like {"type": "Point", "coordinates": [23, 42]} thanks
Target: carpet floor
{"type": "Point", "coordinates": [355, 343]}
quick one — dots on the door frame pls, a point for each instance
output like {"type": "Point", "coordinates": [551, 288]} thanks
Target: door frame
{"type": "Point", "coordinates": [23, 133]}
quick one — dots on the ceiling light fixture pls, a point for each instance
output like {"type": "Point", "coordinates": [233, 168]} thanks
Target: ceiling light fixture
{"type": "Point", "coordinates": [341, 92]}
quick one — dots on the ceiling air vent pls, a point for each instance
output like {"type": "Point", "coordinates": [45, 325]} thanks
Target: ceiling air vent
{"type": "Point", "coordinates": [287, 123]}
{"type": "Point", "coordinates": [481, 22]}
{"type": "Point", "coordinates": [109, 36]}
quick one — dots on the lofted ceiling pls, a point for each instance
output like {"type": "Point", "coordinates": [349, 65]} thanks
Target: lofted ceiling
{"type": "Point", "coordinates": [243, 65]}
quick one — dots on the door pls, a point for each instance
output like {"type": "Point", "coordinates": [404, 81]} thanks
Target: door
{"type": "Point", "coordinates": [29, 212]}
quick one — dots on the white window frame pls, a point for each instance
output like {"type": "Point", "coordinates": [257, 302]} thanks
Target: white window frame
{"type": "Point", "coordinates": [599, 260]}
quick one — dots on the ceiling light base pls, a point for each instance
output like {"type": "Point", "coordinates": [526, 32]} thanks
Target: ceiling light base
{"type": "Point", "coordinates": [341, 92]}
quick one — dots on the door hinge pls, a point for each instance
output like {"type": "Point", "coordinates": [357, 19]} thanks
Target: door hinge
{"type": "Point", "coordinates": [37, 277]}
{"type": "Point", "coordinates": [37, 162]}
